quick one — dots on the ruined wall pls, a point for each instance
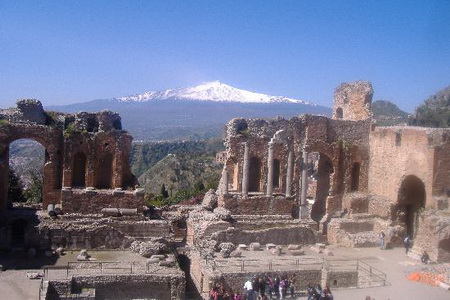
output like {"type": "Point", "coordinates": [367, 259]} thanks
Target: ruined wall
{"type": "Point", "coordinates": [82, 150]}
{"type": "Point", "coordinates": [148, 286]}
{"type": "Point", "coordinates": [353, 101]}
{"type": "Point", "coordinates": [396, 152]}
{"type": "Point", "coordinates": [93, 201]}
{"type": "Point", "coordinates": [254, 142]}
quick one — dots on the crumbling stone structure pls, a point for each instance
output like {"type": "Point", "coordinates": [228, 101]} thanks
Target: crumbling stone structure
{"type": "Point", "coordinates": [368, 178]}
{"type": "Point", "coordinates": [83, 151]}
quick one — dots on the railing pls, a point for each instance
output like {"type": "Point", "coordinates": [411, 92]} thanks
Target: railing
{"type": "Point", "coordinates": [375, 276]}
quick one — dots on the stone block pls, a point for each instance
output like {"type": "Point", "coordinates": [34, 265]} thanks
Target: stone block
{"type": "Point", "coordinates": [236, 253]}
{"type": "Point", "coordinates": [165, 263]}
{"type": "Point", "coordinates": [158, 256]}
{"type": "Point", "coordinates": [270, 246]}
{"type": "Point", "coordinates": [297, 252]}
{"type": "Point", "coordinates": [153, 260]}
{"type": "Point", "coordinates": [242, 247]}
{"type": "Point", "coordinates": [294, 247]}
{"type": "Point", "coordinates": [255, 246]}
{"type": "Point", "coordinates": [276, 251]}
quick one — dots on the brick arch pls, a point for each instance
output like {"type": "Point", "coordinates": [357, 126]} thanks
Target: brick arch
{"type": "Point", "coordinates": [49, 139]}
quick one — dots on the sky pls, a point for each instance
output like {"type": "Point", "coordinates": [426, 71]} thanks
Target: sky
{"type": "Point", "coordinates": [63, 52]}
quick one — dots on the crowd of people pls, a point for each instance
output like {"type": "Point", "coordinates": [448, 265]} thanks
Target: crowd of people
{"type": "Point", "coordinates": [266, 287]}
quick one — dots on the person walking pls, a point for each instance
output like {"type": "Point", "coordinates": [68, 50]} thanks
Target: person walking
{"type": "Point", "coordinates": [407, 243]}
{"type": "Point", "coordinates": [382, 237]}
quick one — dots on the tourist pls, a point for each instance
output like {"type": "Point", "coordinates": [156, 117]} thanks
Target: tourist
{"type": "Point", "coordinates": [262, 297]}
{"type": "Point", "coordinates": [261, 285]}
{"type": "Point", "coordinates": [382, 236]}
{"type": "Point", "coordinates": [255, 285]}
{"type": "Point", "coordinates": [269, 287]}
{"type": "Point", "coordinates": [407, 243]}
{"type": "Point", "coordinates": [213, 294]}
{"type": "Point", "coordinates": [276, 286]}
{"type": "Point", "coordinates": [282, 288]}
{"type": "Point", "coordinates": [327, 293]}
{"type": "Point", "coordinates": [311, 291]}
{"type": "Point", "coordinates": [425, 258]}
{"type": "Point", "coordinates": [248, 287]}
{"type": "Point", "coordinates": [226, 295]}
{"type": "Point", "coordinates": [319, 292]}
{"type": "Point", "coordinates": [237, 296]}
{"type": "Point", "coordinates": [292, 287]}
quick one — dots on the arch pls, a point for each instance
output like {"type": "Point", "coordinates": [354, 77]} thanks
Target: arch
{"type": "Point", "coordinates": [18, 230]}
{"type": "Point", "coordinates": [411, 198]}
{"type": "Point", "coordinates": [79, 170]}
{"type": "Point", "coordinates": [254, 183]}
{"type": "Point", "coordinates": [444, 250]}
{"type": "Point", "coordinates": [323, 173]}
{"type": "Point", "coordinates": [356, 169]}
{"type": "Point", "coordinates": [339, 113]}
{"type": "Point", "coordinates": [104, 172]}
{"type": "Point", "coordinates": [276, 173]}
{"type": "Point", "coordinates": [49, 138]}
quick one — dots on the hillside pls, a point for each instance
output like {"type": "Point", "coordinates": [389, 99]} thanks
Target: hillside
{"type": "Point", "coordinates": [435, 111]}
{"type": "Point", "coordinates": [387, 113]}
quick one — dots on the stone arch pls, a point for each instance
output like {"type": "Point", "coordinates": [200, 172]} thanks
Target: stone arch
{"type": "Point", "coordinates": [276, 173]}
{"type": "Point", "coordinates": [324, 171]}
{"type": "Point", "coordinates": [411, 198]}
{"type": "Point", "coordinates": [254, 183]}
{"type": "Point", "coordinates": [18, 230]}
{"type": "Point", "coordinates": [355, 174]}
{"type": "Point", "coordinates": [49, 139]}
{"type": "Point", "coordinates": [79, 170]}
{"type": "Point", "coordinates": [444, 250]}
{"type": "Point", "coordinates": [339, 113]}
{"type": "Point", "coordinates": [104, 171]}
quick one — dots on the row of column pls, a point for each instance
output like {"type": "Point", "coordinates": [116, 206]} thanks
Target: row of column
{"type": "Point", "coordinates": [270, 173]}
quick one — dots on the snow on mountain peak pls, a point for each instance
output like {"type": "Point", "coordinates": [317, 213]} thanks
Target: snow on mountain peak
{"type": "Point", "coordinates": [210, 91]}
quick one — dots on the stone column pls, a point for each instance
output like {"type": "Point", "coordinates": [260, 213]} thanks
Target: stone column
{"type": "Point", "coordinates": [245, 170]}
{"type": "Point", "coordinates": [225, 181]}
{"type": "Point", "coordinates": [290, 164]}
{"type": "Point", "coordinates": [269, 191]}
{"type": "Point", "coordinates": [303, 214]}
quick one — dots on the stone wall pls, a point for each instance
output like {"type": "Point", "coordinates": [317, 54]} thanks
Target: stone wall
{"type": "Point", "coordinates": [353, 101]}
{"type": "Point", "coordinates": [93, 201]}
{"type": "Point", "coordinates": [148, 286]}
{"type": "Point", "coordinates": [392, 159]}
{"type": "Point", "coordinates": [258, 204]}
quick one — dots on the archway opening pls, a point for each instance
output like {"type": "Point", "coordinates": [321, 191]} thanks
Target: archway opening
{"type": "Point", "coordinates": [411, 198]}
{"type": "Point", "coordinates": [79, 170]}
{"type": "Point", "coordinates": [339, 113]}
{"type": "Point", "coordinates": [444, 250]}
{"type": "Point", "coordinates": [104, 172]}
{"type": "Point", "coordinates": [320, 170]}
{"type": "Point", "coordinates": [27, 158]}
{"type": "Point", "coordinates": [276, 173]}
{"type": "Point", "coordinates": [18, 229]}
{"type": "Point", "coordinates": [254, 174]}
{"type": "Point", "coordinates": [355, 176]}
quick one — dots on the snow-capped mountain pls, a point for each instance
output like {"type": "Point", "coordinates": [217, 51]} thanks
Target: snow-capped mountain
{"type": "Point", "coordinates": [211, 91]}
{"type": "Point", "coordinates": [193, 112]}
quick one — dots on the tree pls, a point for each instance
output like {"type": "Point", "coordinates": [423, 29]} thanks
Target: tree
{"type": "Point", "coordinates": [164, 192]}
{"type": "Point", "coordinates": [15, 190]}
{"type": "Point", "coordinates": [434, 112]}
{"type": "Point", "coordinates": [34, 192]}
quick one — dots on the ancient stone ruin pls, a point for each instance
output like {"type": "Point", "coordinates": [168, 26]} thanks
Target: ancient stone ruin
{"type": "Point", "coordinates": [286, 185]}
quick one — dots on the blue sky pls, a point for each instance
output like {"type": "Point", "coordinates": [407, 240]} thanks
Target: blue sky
{"type": "Point", "coordinates": [74, 51]}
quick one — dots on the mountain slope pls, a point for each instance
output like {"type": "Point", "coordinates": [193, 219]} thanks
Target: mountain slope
{"type": "Point", "coordinates": [195, 112]}
{"type": "Point", "coordinates": [435, 111]}
{"type": "Point", "coordinates": [387, 113]}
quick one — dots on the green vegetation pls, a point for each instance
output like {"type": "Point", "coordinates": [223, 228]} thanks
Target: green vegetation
{"type": "Point", "coordinates": [434, 112]}
{"type": "Point", "coordinates": [3, 122]}
{"type": "Point", "coordinates": [15, 190]}
{"type": "Point", "coordinates": [185, 171]}
{"type": "Point", "coordinates": [34, 192]}
{"type": "Point", "coordinates": [387, 113]}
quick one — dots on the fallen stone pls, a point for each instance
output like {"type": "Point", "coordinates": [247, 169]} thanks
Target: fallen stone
{"type": "Point", "coordinates": [210, 200]}
{"type": "Point", "coordinates": [316, 249]}
{"type": "Point", "coordinates": [242, 247]}
{"type": "Point", "coordinates": [222, 213]}
{"type": "Point", "coordinates": [276, 251]}
{"type": "Point", "coordinates": [328, 252]}
{"type": "Point", "coordinates": [34, 275]}
{"type": "Point", "coordinates": [255, 246]}
{"type": "Point", "coordinates": [158, 256]}
{"type": "Point", "coordinates": [270, 246]}
{"type": "Point", "coordinates": [293, 247]}
{"type": "Point", "coordinates": [165, 263]}
{"type": "Point", "coordinates": [153, 260]}
{"type": "Point", "coordinates": [236, 253]}
{"type": "Point", "coordinates": [297, 252]}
